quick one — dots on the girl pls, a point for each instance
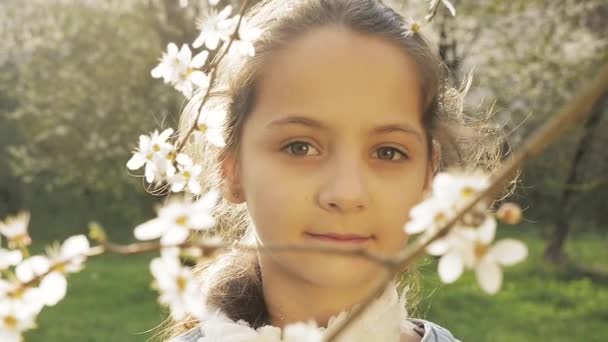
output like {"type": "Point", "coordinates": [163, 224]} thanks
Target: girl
{"type": "Point", "coordinates": [334, 131]}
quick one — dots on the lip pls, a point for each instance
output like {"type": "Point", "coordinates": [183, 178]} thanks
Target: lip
{"type": "Point", "coordinates": [340, 237]}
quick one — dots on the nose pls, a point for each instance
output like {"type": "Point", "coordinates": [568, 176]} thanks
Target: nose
{"type": "Point", "coordinates": [345, 189]}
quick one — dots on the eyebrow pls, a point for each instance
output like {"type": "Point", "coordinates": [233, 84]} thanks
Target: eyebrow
{"type": "Point", "coordinates": [405, 128]}
{"type": "Point", "coordinates": [297, 120]}
{"type": "Point", "coordinates": [305, 121]}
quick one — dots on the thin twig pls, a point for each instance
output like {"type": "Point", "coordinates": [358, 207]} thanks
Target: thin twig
{"type": "Point", "coordinates": [214, 67]}
{"type": "Point", "coordinates": [106, 247]}
{"type": "Point", "coordinates": [146, 247]}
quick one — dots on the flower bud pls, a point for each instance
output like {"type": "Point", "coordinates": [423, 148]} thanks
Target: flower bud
{"type": "Point", "coordinates": [509, 213]}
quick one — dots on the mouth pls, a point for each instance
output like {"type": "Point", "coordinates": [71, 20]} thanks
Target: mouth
{"type": "Point", "coordinates": [340, 238]}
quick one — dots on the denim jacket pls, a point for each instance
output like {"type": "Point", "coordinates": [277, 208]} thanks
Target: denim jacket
{"type": "Point", "coordinates": [429, 331]}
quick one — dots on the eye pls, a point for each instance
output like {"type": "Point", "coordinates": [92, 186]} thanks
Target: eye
{"type": "Point", "coordinates": [391, 154]}
{"type": "Point", "coordinates": [300, 148]}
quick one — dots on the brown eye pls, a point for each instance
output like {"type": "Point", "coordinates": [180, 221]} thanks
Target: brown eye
{"type": "Point", "coordinates": [390, 153]}
{"type": "Point", "coordinates": [300, 148]}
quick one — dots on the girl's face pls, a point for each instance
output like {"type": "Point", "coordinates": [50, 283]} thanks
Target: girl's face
{"type": "Point", "coordinates": [333, 154]}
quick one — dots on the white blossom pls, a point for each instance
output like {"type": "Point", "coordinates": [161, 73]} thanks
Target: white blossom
{"type": "Point", "coordinates": [247, 35]}
{"type": "Point", "coordinates": [473, 249]}
{"type": "Point", "coordinates": [52, 270]}
{"type": "Point", "coordinates": [167, 68]}
{"type": "Point", "coordinates": [210, 126]}
{"type": "Point", "coordinates": [430, 215]}
{"type": "Point", "coordinates": [25, 297]}
{"type": "Point", "coordinates": [189, 78]}
{"type": "Point", "coordinates": [14, 320]}
{"type": "Point", "coordinates": [178, 288]}
{"type": "Point", "coordinates": [52, 285]}
{"type": "Point", "coordinates": [187, 175]}
{"type": "Point", "coordinates": [53, 288]}
{"type": "Point", "coordinates": [457, 189]}
{"type": "Point", "coordinates": [468, 242]}
{"type": "Point", "coordinates": [180, 69]}
{"type": "Point", "coordinates": [176, 219]}
{"type": "Point", "coordinates": [72, 254]}
{"type": "Point", "coordinates": [155, 153]}
{"type": "Point", "coordinates": [450, 193]}
{"type": "Point", "coordinates": [9, 258]}
{"type": "Point", "coordinates": [214, 28]}
{"type": "Point", "coordinates": [411, 27]}
{"type": "Point", "coordinates": [32, 267]}
{"type": "Point", "coordinates": [15, 229]}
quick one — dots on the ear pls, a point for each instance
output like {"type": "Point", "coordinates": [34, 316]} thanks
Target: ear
{"type": "Point", "coordinates": [231, 184]}
{"type": "Point", "coordinates": [433, 165]}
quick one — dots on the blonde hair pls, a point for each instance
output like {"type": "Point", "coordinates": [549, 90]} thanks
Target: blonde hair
{"type": "Point", "coordinates": [232, 280]}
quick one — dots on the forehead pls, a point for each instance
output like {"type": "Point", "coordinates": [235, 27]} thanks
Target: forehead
{"type": "Point", "coordinates": [336, 74]}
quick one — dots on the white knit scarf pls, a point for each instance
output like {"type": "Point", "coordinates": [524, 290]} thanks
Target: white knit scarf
{"type": "Point", "coordinates": [383, 320]}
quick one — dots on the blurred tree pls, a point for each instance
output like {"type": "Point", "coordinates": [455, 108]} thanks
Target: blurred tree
{"type": "Point", "coordinates": [529, 58]}
{"type": "Point", "coordinates": [83, 89]}
{"type": "Point", "coordinates": [555, 252]}
{"type": "Point", "coordinates": [75, 93]}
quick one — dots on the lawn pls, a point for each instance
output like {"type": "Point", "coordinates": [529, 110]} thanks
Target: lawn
{"type": "Point", "coordinates": [536, 302]}
{"type": "Point", "coordinates": [111, 300]}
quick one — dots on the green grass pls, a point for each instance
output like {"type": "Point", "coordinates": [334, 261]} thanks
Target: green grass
{"type": "Point", "coordinates": [536, 302]}
{"type": "Point", "coordinates": [111, 300]}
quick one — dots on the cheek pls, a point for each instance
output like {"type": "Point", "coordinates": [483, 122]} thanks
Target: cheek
{"type": "Point", "coordinates": [394, 208]}
{"type": "Point", "coordinates": [277, 200]}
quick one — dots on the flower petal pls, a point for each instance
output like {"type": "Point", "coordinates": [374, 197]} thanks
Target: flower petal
{"type": "Point", "coordinates": [450, 267]}
{"type": "Point", "coordinates": [32, 267]}
{"type": "Point", "coordinates": [438, 247]}
{"type": "Point", "coordinates": [225, 12]}
{"type": "Point", "coordinates": [178, 184]}
{"type": "Point", "coordinates": [174, 236]}
{"type": "Point", "coordinates": [487, 230]}
{"type": "Point", "coordinates": [172, 49]}
{"type": "Point", "coordinates": [150, 172]}
{"type": "Point", "coordinates": [194, 186]}
{"type": "Point", "coordinates": [198, 42]}
{"type": "Point", "coordinates": [137, 161]}
{"type": "Point", "coordinates": [213, 40]}
{"type": "Point", "coordinates": [165, 134]}
{"type": "Point", "coordinates": [509, 251]}
{"type": "Point", "coordinates": [9, 258]}
{"type": "Point", "coordinates": [200, 59]}
{"type": "Point", "coordinates": [54, 287]}
{"type": "Point", "coordinates": [489, 275]}
{"type": "Point", "coordinates": [200, 79]}
{"type": "Point", "coordinates": [184, 53]}
{"type": "Point", "coordinates": [150, 230]}
{"type": "Point", "coordinates": [158, 71]}
{"type": "Point", "coordinates": [75, 246]}
{"type": "Point", "coordinates": [183, 159]}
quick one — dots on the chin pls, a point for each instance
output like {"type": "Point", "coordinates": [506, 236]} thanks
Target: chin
{"type": "Point", "coordinates": [342, 272]}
